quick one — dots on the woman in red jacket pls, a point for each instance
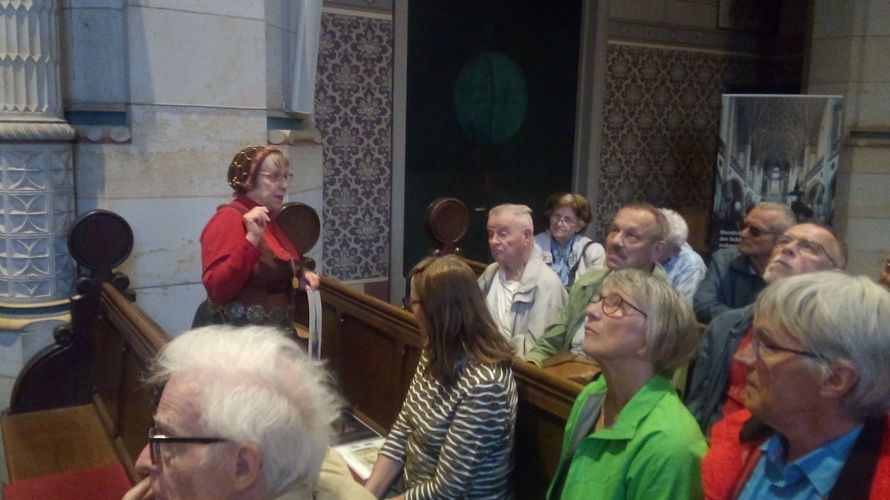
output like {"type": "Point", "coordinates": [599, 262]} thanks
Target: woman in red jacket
{"type": "Point", "coordinates": [817, 396]}
{"type": "Point", "coordinates": [250, 267]}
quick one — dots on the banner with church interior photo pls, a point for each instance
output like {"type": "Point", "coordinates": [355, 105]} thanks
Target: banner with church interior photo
{"type": "Point", "coordinates": [779, 148]}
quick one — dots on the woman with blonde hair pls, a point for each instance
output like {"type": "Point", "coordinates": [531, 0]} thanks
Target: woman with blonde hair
{"type": "Point", "coordinates": [629, 435]}
{"type": "Point", "coordinates": [453, 437]}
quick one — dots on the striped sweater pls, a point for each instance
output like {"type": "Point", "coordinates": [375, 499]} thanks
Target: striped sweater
{"type": "Point", "coordinates": [457, 442]}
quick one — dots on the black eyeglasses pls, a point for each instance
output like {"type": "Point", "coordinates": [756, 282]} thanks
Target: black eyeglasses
{"type": "Point", "coordinates": [611, 304]}
{"type": "Point", "coordinates": [758, 344]}
{"type": "Point", "coordinates": [806, 246]}
{"type": "Point", "coordinates": [155, 440]}
{"type": "Point", "coordinates": [756, 232]}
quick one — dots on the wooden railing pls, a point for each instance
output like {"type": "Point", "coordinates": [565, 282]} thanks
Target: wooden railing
{"type": "Point", "coordinates": [371, 347]}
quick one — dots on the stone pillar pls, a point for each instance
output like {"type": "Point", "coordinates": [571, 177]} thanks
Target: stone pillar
{"type": "Point", "coordinates": [36, 174]}
{"type": "Point", "coordinates": [849, 47]}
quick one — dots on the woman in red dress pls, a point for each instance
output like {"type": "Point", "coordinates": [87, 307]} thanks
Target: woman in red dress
{"type": "Point", "coordinates": [250, 267]}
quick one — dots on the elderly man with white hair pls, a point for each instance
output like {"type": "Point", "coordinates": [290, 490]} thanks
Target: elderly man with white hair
{"type": "Point", "coordinates": [523, 294]}
{"type": "Point", "coordinates": [244, 414]}
{"type": "Point", "coordinates": [685, 268]}
{"type": "Point", "coordinates": [818, 393]}
{"type": "Point", "coordinates": [718, 383]}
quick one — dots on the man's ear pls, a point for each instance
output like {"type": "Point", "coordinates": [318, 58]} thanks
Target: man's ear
{"type": "Point", "coordinates": [840, 380]}
{"type": "Point", "coordinates": [248, 467]}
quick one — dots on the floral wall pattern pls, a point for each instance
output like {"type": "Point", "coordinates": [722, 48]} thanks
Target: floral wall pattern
{"type": "Point", "coordinates": [659, 143]}
{"type": "Point", "coordinates": [662, 119]}
{"type": "Point", "coordinates": [353, 113]}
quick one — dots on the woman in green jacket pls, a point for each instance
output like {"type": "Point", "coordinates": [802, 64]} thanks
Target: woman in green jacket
{"type": "Point", "coordinates": [629, 435]}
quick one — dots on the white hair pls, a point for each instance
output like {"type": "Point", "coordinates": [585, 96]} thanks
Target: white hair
{"type": "Point", "coordinates": [257, 386]}
{"type": "Point", "coordinates": [838, 317]}
{"type": "Point", "coordinates": [521, 214]}
{"type": "Point", "coordinates": [678, 231]}
{"type": "Point", "coordinates": [786, 215]}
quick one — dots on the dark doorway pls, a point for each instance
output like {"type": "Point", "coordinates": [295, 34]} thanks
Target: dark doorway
{"type": "Point", "coordinates": [491, 96]}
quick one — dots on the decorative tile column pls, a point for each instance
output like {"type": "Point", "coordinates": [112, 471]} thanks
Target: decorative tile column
{"type": "Point", "coordinates": [36, 174]}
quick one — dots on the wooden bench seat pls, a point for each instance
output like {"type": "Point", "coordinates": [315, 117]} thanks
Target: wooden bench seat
{"type": "Point", "coordinates": [100, 361]}
{"type": "Point", "coordinates": [107, 482]}
{"type": "Point", "coordinates": [52, 441]}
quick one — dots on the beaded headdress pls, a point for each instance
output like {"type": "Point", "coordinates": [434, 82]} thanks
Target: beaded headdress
{"type": "Point", "coordinates": [245, 163]}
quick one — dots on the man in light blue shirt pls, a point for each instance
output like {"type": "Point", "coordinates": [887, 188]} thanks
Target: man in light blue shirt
{"type": "Point", "coordinates": [810, 476]}
{"type": "Point", "coordinates": [685, 268]}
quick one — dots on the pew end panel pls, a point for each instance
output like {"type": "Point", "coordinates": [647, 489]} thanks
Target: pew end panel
{"type": "Point", "coordinates": [545, 402]}
{"type": "Point", "coordinates": [80, 405]}
{"type": "Point", "coordinates": [58, 375]}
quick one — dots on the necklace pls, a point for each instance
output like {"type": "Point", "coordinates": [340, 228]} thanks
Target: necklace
{"type": "Point", "coordinates": [295, 281]}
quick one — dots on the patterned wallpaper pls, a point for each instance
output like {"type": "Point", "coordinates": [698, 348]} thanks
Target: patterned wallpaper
{"type": "Point", "coordinates": [353, 110]}
{"type": "Point", "coordinates": [662, 119]}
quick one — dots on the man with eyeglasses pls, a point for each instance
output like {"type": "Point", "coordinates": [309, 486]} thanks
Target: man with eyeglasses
{"type": "Point", "coordinates": [818, 392]}
{"type": "Point", "coordinates": [717, 386]}
{"type": "Point", "coordinates": [734, 277]}
{"type": "Point", "coordinates": [244, 414]}
{"type": "Point", "coordinates": [635, 241]}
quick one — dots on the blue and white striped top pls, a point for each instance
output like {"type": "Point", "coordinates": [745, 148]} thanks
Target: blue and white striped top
{"type": "Point", "coordinates": [457, 442]}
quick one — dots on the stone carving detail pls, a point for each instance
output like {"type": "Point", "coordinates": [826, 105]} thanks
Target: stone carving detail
{"type": "Point", "coordinates": [29, 132]}
{"type": "Point", "coordinates": [36, 174]}
{"type": "Point", "coordinates": [36, 193]}
{"type": "Point", "coordinates": [29, 58]}
{"type": "Point", "coordinates": [104, 134]}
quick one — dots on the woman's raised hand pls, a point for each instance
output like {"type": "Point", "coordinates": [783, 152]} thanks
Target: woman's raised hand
{"type": "Point", "coordinates": [255, 223]}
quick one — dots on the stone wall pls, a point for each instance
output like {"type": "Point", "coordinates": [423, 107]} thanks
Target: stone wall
{"type": "Point", "coordinates": [187, 90]}
{"type": "Point", "coordinates": [850, 56]}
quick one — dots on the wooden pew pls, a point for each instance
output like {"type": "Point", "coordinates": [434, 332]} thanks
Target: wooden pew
{"type": "Point", "coordinates": [80, 403]}
{"type": "Point", "coordinates": [373, 348]}
{"type": "Point", "coordinates": [92, 374]}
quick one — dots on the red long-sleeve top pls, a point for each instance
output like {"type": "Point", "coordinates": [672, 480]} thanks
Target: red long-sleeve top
{"type": "Point", "coordinates": [228, 258]}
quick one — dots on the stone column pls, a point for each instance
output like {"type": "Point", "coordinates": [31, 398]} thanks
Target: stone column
{"type": "Point", "coordinates": [849, 47]}
{"type": "Point", "coordinates": [36, 174]}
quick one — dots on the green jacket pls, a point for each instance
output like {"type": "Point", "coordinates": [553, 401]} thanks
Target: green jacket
{"type": "Point", "coordinates": [652, 451]}
{"type": "Point", "coordinates": [558, 336]}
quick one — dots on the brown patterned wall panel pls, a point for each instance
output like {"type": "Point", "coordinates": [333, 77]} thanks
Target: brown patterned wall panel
{"type": "Point", "coordinates": [353, 112]}
{"type": "Point", "coordinates": [661, 122]}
